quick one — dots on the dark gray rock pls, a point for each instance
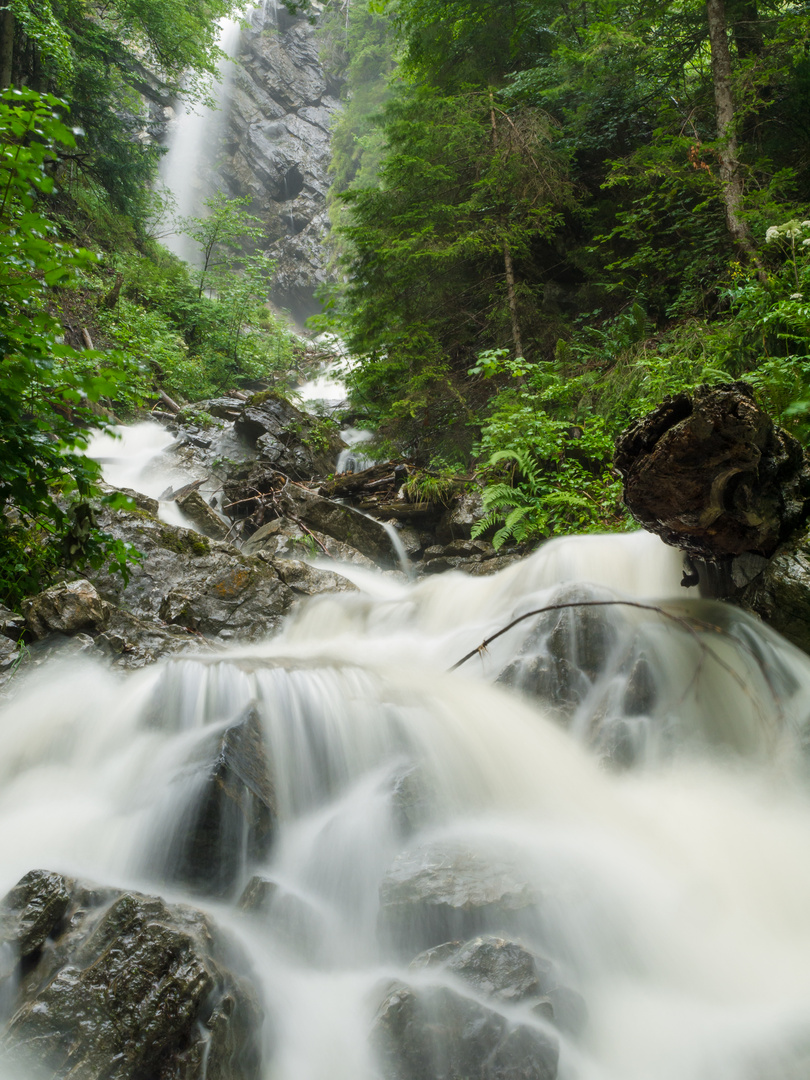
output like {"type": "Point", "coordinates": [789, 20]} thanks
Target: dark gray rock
{"type": "Point", "coordinates": [229, 823]}
{"type": "Point", "coordinates": [205, 519]}
{"type": "Point", "coordinates": [207, 587]}
{"type": "Point", "coordinates": [508, 972]}
{"type": "Point", "coordinates": [459, 520]}
{"type": "Point", "coordinates": [448, 892]}
{"type": "Point", "coordinates": [338, 521]}
{"type": "Point", "coordinates": [284, 539]}
{"type": "Point", "coordinates": [286, 438]}
{"type": "Point", "coordinates": [12, 625]}
{"type": "Point", "coordinates": [291, 919]}
{"type": "Point", "coordinates": [437, 1032]}
{"type": "Point", "coordinates": [781, 593]}
{"type": "Point", "coordinates": [134, 643]}
{"type": "Point", "coordinates": [277, 150]}
{"type": "Point", "coordinates": [125, 986]}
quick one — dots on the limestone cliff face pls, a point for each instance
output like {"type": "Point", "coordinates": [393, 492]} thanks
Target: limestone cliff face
{"type": "Point", "coordinates": [276, 149]}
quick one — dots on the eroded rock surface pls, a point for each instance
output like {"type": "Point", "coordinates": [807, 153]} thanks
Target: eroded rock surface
{"type": "Point", "coordinates": [124, 986]}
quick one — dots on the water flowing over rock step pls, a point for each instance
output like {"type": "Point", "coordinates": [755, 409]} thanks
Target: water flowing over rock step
{"type": "Point", "coordinates": [122, 985]}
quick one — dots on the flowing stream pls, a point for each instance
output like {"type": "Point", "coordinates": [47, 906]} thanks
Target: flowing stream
{"type": "Point", "coordinates": [673, 893]}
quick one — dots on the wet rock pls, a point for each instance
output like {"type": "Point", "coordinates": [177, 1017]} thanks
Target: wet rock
{"type": "Point", "coordinates": [508, 972]}
{"type": "Point", "coordinates": [493, 565]}
{"type": "Point", "coordinates": [781, 593]}
{"type": "Point", "coordinates": [292, 920]}
{"type": "Point", "coordinates": [65, 608]}
{"type": "Point", "coordinates": [448, 891]}
{"type": "Point", "coordinates": [553, 680]}
{"type": "Point", "coordinates": [284, 539]}
{"type": "Point", "coordinates": [459, 520]}
{"type": "Point", "coordinates": [338, 521]}
{"type": "Point", "coordinates": [230, 819]}
{"type": "Point", "coordinates": [207, 587]}
{"type": "Point", "coordinates": [410, 800]}
{"type": "Point", "coordinates": [277, 150]}
{"type": "Point", "coordinates": [287, 439]}
{"type": "Point", "coordinates": [712, 475]}
{"type": "Point", "coordinates": [125, 986]}
{"type": "Point", "coordinates": [12, 625]}
{"type": "Point", "coordinates": [32, 911]}
{"type": "Point", "coordinates": [564, 652]}
{"type": "Point", "coordinates": [207, 520]}
{"type": "Point", "coordinates": [134, 643]}
{"type": "Point", "coordinates": [306, 580]}
{"type": "Point", "coordinates": [437, 1032]}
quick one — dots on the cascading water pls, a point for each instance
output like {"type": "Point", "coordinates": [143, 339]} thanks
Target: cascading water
{"type": "Point", "coordinates": [672, 897]}
{"type": "Point", "coordinates": [194, 135]}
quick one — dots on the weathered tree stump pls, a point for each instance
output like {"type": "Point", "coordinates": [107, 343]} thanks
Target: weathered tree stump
{"type": "Point", "coordinates": [711, 474]}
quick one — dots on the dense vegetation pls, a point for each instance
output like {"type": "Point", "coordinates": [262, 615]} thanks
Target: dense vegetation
{"type": "Point", "coordinates": [559, 215]}
{"type": "Point", "coordinates": [96, 318]}
{"type": "Point", "coordinates": [546, 219]}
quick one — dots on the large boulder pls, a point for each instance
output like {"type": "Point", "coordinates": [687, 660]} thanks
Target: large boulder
{"type": "Point", "coordinates": [207, 587]}
{"type": "Point", "coordinates": [438, 1032]}
{"type": "Point", "coordinates": [781, 593]}
{"type": "Point", "coordinates": [341, 522]}
{"type": "Point", "coordinates": [711, 474]}
{"type": "Point", "coordinates": [508, 972]}
{"type": "Point", "coordinates": [123, 986]}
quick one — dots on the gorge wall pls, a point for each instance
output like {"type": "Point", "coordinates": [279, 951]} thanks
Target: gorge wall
{"type": "Point", "coordinates": [276, 148]}
{"type": "Point", "coordinates": [269, 142]}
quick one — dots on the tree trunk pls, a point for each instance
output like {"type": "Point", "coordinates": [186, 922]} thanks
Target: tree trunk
{"type": "Point", "coordinates": [6, 48]}
{"type": "Point", "coordinates": [509, 266]}
{"type": "Point", "coordinates": [730, 174]}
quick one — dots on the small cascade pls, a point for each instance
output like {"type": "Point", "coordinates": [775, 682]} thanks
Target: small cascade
{"type": "Point", "coordinates": [134, 457]}
{"type": "Point", "coordinates": [342, 803]}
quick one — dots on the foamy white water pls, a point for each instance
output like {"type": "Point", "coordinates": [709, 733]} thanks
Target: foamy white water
{"type": "Point", "coordinates": [192, 136]}
{"type": "Point", "coordinates": [674, 896]}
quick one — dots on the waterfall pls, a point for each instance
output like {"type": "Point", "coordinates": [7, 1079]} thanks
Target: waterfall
{"type": "Point", "coordinates": [186, 168]}
{"type": "Point", "coordinates": [669, 889]}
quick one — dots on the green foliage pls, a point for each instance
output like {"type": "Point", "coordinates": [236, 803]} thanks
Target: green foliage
{"type": "Point", "coordinates": [543, 474]}
{"type": "Point", "coordinates": [437, 485]}
{"type": "Point", "coordinates": [47, 387]}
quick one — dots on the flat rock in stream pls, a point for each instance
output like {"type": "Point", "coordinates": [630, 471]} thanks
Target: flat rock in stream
{"type": "Point", "coordinates": [121, 985]}
{"type": "Point", "coordinates": [711, 474]}
{"type": "Point", "coordinates": [446, 891]}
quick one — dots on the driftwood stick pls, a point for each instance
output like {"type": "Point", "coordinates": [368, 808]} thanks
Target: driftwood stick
{"type": "Point", "coordinates": [691, 627]}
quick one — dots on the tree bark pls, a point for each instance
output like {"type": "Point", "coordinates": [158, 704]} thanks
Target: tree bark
{"type": "Point", "coordinates": [6, 48]}
{"type": "Point", "coordinates": [730, 174]}
{"type": "Point", "coordinates": [509, 266]}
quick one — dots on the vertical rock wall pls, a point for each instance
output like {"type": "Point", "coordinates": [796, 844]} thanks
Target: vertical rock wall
{"type": "Point", "coordinates": [276, 149]}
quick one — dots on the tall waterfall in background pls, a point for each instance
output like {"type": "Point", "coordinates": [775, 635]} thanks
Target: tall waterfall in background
{"type": "Point", "coordinates": [187, 167]}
